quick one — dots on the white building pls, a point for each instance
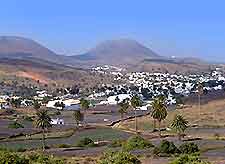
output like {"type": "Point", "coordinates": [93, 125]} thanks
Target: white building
{"type": "Point", "coordinates": [112, 99]}
{"type": "Point", "coordinates": [68, 103]}
{"type": "Point", "coordinates": [57, 121]}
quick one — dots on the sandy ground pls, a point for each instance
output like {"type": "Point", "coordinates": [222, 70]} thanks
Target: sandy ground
{"type": "Point", "coordinates": [33, 76]}
{"type": "Point", "coordinates": [211, 114]}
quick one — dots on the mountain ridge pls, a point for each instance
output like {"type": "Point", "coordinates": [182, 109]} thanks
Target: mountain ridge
{"type": "Point", "coordinates": [121, 51]}
{"type": "Point", "coordinates": [22, 48]}
{"type": "Point", "coordinates": [125, 53]}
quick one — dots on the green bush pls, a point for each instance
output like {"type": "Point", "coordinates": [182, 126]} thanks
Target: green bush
{"type": "Point", "coordinates": [156, 151]}
{"type": "Point", "coordinates": [120, 157]}
{"type": "Point", "coordinates": [44, 159]}
{"type": "Point", "coordinates": [15, 125]}
{"type": "Point", "coordinates": [12, 158]}
{"type": "Point", "coordinates": [136, 142]}
{"type": "Point", "coordinates": [189, 148]}
{"type": "Point", "coordinates": [63, 146]}
{"type": "Point", "coordinates": [4, 149]}
{"type": "Point", "coordinates": [7, 157]}
{"type": "Point", "coordinates": [166, 147]}
{"type": "Point", "coordinates": [27, 118]}
{"type": "Point", "coordinates": [20, 149]}
{"type": "Point", "coordinates": [217, 136]}
{"type": "Point", "coordinates": [117, 143]}
{"type": "Point", "coordinates": [57, 113]}
{"type": "Point", "coordinates": [85, 142]}
{"type": "Point", "coordinates": [188, 159]}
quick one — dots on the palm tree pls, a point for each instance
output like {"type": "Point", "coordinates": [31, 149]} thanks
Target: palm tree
{"type": "Point", "coordinates": [117, 99]}
{"type": "Point", "coordinates": [60, 105]}
{"type": "Point", "coordinates": [179, 124]}
{"type": "Point", "coordinates": [36, 105]}
{"type": "Point", "coordinates": [16, 103]}
{"type": "Point", "coordinates": [78, 116]}
{"type": "Point", "coordinates": [124, 105]}
{"type": "Point", "coordinates": [135, 102]}
{"type": "Point", "coordinates": [154, 106]}
{"type": "Point", "coordinates": [85, 104]}
{"type": "Point", "coordinates": [159, 111]}
{"type": "Point", "coordinates": [43, 121]}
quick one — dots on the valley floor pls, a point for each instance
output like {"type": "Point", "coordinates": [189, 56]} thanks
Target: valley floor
{"type": "Point", "coordinates": [207, 130]}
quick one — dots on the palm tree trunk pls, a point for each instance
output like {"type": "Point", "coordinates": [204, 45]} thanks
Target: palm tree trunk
{"type": "Point", "coordinates": [85, 113]}
{"type": "Point", "coordinates": [136, 126]}
{"type": "Point", "coordinates": [77, 124]}
{"type": "Point", "coordinates": [179, 136]}
{"type": "Point", "coordinates": [159, 128]}
{"type": "Point", "coordinates": [199, 105]}
{"type": "Point", "coordinates": [154, 125]}
{"type": "Point", "coordinates": [43, 140]}
{"type": "Point", "coordinates": [122, 117]}
{"type": "Point", "coordinates": [215, 118]}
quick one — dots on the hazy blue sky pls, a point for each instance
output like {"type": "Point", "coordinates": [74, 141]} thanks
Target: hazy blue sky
{"type": "Point", "coordinates": [170, 27]}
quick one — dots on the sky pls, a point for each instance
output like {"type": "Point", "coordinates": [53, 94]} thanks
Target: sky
{"type": "Point", "coordinates": [182, 28]}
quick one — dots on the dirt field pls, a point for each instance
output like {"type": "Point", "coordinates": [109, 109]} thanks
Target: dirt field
{"type": "Point", "coordinates": [211, 114]}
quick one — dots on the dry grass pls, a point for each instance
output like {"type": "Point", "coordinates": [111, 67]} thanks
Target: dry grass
{"type": "Point", "coordinates": [85, 160]}
{"type": "Point", "coordinates": [210, 115]}
{"type": "Point", "coordinates": [26, 111]}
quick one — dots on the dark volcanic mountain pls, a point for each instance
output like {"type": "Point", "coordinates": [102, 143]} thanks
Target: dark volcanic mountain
{"type": "Point", "coordinates": [13, 44]}
{"type": "Point", "coordinates": [123, 51]}
{"type": "Point", "coordinates": [23, 48]}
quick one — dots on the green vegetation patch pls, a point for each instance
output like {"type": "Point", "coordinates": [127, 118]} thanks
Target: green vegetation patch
{"type": "Point", "coordinates": [137, 142]}
{"type": "Point", "coordinates": [117, 143]}
{"type": "Point", "coordinates": [15, 125]}
{"type": "Point", "coordinates": [7, 157]}
{"type": "Point", "coordinates": [188, 159]}
{"type": "Point", "coordinates": [166, 148]}
{"type": "Point", "coordinates": [27, 118]}
{"type": "Point", "coordinates": [102, 134]}
{"type": "Point", "coordinates": [189, 148]}
{"type": "Point", "coordinates": [63, 146]}
{"type": "Point", "coordinates": [85, 142]}
{"type": "Point", "coordinates": [120, 157]}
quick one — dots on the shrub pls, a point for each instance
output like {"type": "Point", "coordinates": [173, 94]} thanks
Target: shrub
{"type": "Point", "coordinates": [12, 158]}
{"type": "Point", "coordinates": [57, 113]}
{"type": "Point", "coordinates": [167, 147]}
{"type": "Point", "coordinates": [85, 142]}
{"type": "Point", "coordinates": [136, 142]}
{"type": "Point", "coordinates": [217, 136]}
{"type": "Point", "coordinates": [7, 157]}
{"type": "Point", "coordinates": [3, 149]}
{"type": "Point", "coordinates": [116, 143]}
{"type": "Point", "coordinates": [118, 158]}
{"type": "Point", "coordinates": [27, 118]}
{"type": "Point", "coordinates": [189, 148]}
{"type": "Point", "coordinates": [20, 149]}
{"type": "Point", "coordinates": [15, 125]}
{"type": "Point", "coordinates": [63, 146]}
{"type": "Point", "coordinates": [44, 159]}
{"type": "Point", "coordinates": [47, 147]}
{"type": "Point", "coordinates": [9, 112]}
{"type": "Point", "coordinates": [156, 151]}
{"type": "Point", "coordinates": [188, 159]}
